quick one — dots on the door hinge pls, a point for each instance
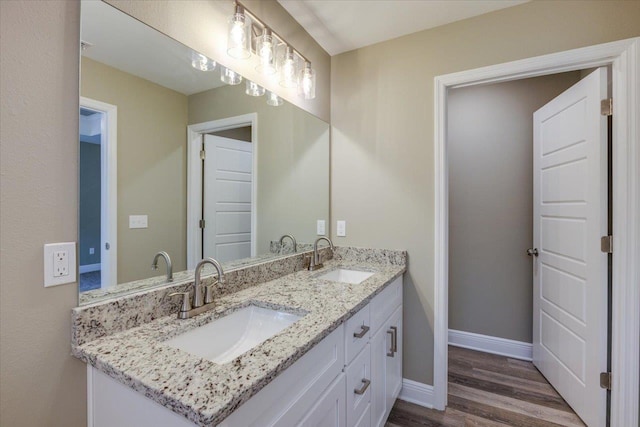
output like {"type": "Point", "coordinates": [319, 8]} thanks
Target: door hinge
{"type": "Point", "coordinates": [606, 107]}
{"type": "Point", "coordinates": [202, 154]}
{"type": "Point", "coordinates": [606, 244]}
{"type": "Point", "coordinates": [201, 223]}
{"type": "Point", "coordinates": [605, 380]}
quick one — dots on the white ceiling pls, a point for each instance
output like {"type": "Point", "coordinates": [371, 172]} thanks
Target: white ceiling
{"type": "Point", "coordinates": [126, 44]}
{"type": "Point", "coordinates": [343, 25]}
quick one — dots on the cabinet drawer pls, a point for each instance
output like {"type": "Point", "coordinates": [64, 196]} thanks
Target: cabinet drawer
{"type": "Point", "coordinates": [384, 304]}
{"type": "Point", "coordinates": [358, 385]}
{"type": "Point", "coordinates": [356, 334]}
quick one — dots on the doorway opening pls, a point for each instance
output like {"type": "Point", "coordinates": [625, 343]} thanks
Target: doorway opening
{"type": "Point", "coordinates": [494, 214]}
{"type": "Point", "coordinates": [624, 58]}
{"type": "Point", "coordinates": [97, 234]}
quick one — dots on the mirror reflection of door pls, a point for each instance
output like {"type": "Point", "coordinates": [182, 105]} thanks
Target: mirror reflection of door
{"type": "Point", "coordinates": [96, 247]}
{"type": "Point", "coordinates": [227, 195]}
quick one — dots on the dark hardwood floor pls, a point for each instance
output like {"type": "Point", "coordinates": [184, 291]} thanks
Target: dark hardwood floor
{"type": "Point", "coordinates": [489, 390]}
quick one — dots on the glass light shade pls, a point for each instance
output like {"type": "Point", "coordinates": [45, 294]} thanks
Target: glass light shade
{"type": "Point", "coordinates": [230, 77]}
{"type": "Point", "coordinates": [288, 69]}
{"type": "Point", "coordinates": [266, 50]}
{"type": "Point", "coordinates": [239, 38]}
{"type": "Point", "coordinates": [307, 84]}
{"type": "Point", "coordinates": [273, 99]}
{"type": "Point", "coordinates": [253, 89]}
{"type": "Point", "coordinates": [201, 62]}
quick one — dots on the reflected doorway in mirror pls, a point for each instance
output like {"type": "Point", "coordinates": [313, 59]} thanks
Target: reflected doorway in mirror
{"type": "Point", "coordinates": [97, 231]}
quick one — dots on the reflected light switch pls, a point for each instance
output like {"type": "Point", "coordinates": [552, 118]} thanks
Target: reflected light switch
{"type": "Point", "coordinates": [138, 221]}
{"type": "Point", "coordinates": [321, 228]}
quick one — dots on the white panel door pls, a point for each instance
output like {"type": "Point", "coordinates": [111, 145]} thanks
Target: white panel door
{"type": "Point", "coordinates": [570, 274]}
{"type": "Point", "coordinates": [227, 195]}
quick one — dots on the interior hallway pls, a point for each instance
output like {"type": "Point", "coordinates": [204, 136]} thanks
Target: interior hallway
{"type": "Point", "coordinates": [490, 390]}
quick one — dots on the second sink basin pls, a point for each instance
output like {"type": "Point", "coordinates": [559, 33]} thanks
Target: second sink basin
{"type": "Point", "coordinates": [228, 337]}
{"type": "Point", "coordinates": [346, 276]}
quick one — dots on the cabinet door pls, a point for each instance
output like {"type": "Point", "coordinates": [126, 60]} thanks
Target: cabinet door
{"type": "Point", "coordinates": [329, 411]}
{"type": "Point", "coordinates": [358, 375]}
{"type": "Point", "coordinates": [394, 359]}
{"type": "Point", "coordinates": [380, 346]}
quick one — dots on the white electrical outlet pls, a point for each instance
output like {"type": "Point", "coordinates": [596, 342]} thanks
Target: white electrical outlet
{"type": "Point", "coordinates": [138, 221]}
{"type": "Point", "coordinates": [321, 229]}
{"type": "Point", "coordinates": [341, 228]}
{"type": "Point", "coordinates": [59, 263]}
{"type": "Point", "coordinates": [92, 251]}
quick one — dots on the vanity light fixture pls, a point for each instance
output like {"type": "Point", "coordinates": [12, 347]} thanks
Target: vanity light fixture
{"type": "Point", "coordinates": [201, 62]}
{"type": "Point", "coordinates": [239, 40]}
{"type": "Point", "coordinates": [273, 99]}
{"type": "Point", "coordinates": [253, 89]}
{"type": "Point", "coordinates": [266, 48]}
{"type": "Point", "coordinates": [230, 77]}
{"type": "Point", "coordinates": [273, 52]}
{"type": "Point", "coordinates": [307, 85]}
{"type": "Point", "coordinates": [288, 69]}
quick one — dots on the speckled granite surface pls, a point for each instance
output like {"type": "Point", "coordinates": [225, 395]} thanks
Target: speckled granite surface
{"type": "Point", "coordinates": [205, 392]}
{"type": "Point", "coordinates": [125, 311]}
{"type": "Point", "coordinates": [123, 289]}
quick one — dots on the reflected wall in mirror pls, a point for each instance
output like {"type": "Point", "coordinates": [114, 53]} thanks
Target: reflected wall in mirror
{"type": "Point", "coordinates": [148, 109]}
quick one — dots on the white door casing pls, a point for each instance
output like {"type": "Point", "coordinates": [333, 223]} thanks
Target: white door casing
{"type": "Point", "coordinates": [227, 198]}
{"type": "Point", "coordinates": [570, 273]}
{"type": "Point", "coordinates": [108, 190]}
{"type": "Point", "coordinates": [624, 58]}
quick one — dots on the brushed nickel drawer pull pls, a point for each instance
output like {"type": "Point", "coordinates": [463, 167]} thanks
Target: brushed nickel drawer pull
{"type": "Point", "coordinates": [362, 332]}
{"type": "Point", "coordinates": [395, 338]}
{"type": "Point", "coordinates": [364, 388]}
{"type": "Point", "coordinates": [390, 353]}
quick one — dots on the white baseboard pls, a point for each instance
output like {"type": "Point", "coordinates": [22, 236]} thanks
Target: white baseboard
{"type": "Point", "coordinates": [418, 393]}
{"type": "Point", "coordinates": [89, 268]}
{"type": "Point", "coordinates": [502, 346]}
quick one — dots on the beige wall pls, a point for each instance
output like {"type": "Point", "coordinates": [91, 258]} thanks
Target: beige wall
{"type": "Point", "coordinates": [152, 166]}
{"type": "Point", "coordinates": [40, 383]}
{"type": "Point", "coordinates": [382, 129]}
{"type": "Point", "coordinates": [293, 161]}
{"type": "Point", "coordinates": [202, 25]}
{"type": "Point", "coordinates": [490, 143]}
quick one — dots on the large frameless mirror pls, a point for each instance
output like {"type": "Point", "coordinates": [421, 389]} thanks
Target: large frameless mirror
{"type": "Point", "coordinates": [175, 159]}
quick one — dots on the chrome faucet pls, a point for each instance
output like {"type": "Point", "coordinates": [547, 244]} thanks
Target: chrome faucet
{"type": "Point", "coordinates": [293, 239]}
{"type": "Point", "coordinates": [315, 263]}
{"type": "Point", "coordinates": [189, 308]}
{"type": "Point", "coordinates": [167, 259]}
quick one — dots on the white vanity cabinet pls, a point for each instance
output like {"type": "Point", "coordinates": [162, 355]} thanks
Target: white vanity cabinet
{"type": "Point", "coordinates": [349, 379]}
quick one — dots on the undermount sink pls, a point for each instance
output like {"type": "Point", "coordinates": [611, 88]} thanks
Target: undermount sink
{"type": "Point", "coordinates": [346, 276]}
{"type": "Point", "coordinates": [228, 337]}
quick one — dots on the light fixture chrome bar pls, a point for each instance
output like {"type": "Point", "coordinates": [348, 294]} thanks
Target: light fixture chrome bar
{"type": "Point", "coordinates": [242, 7]}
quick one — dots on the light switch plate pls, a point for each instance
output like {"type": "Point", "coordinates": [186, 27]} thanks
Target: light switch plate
{"type": "Point", "coordinates": [59, 264]}
{"type": "Point", "coordinates": [341, 228]}
{"type": "Point", "coordinates": [138, 221]}
{"type": "Point", "coordinates": [321, 229]}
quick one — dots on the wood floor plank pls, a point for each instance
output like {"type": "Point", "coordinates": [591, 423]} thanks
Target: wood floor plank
{"type": "Point", "coordinates": [495, 414]}
{"type": "Point", "coordinates": [555, 402]}
{"type": "Point", "coordinates": [487, 390]}
{"type": "Point", "coordinates": [522, 383]}
{"type": "Point", "coordinates": [515, 405]}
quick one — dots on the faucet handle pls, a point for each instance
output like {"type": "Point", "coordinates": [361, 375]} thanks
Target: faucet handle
{"type": "Point", "coordinates": [208, 293]}
{"type": "Point", "coordinates": [186, 301]}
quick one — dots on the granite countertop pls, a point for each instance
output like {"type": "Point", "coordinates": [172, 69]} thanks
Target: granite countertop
{"type": "Point", "coordinates": [206, 392]}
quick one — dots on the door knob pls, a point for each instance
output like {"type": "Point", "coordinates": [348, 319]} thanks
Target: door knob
{"type": "Point", "coordinates": [532, 251]}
